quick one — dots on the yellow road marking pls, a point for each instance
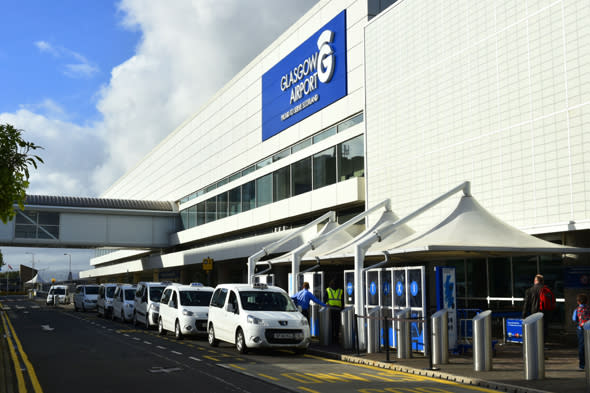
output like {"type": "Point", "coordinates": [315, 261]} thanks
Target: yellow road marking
{"type": "Point", "coordinates": [28, 365]}
{"type": "Point", "coordinates": [19, 373]}
{"type": "Point", "coordinates": [236, 366]}
{"type": "Point", "coordinates": [211, 358]}
{"type": "Point", "coordinates": [269, 377]}
{"type": "Point", "coordinates": [307, 389]}
{"type": "Point", "coordinates": [303, 378]}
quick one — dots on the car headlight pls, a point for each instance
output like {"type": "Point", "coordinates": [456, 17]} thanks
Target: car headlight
{"type": "Point", "coordinates": [187, 313]}
{"type": "Point", "coordinates": [304, 322]}
{"type": "Point", "coordinates": [255, 321]}
{"type": "Point", "coordinates": [155, 307]}
{"type": "Point", "coordinates": [128, 305]}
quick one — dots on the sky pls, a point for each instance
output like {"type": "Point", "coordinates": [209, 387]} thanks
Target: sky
{"type": "Point", "coordinates": [99, 83]}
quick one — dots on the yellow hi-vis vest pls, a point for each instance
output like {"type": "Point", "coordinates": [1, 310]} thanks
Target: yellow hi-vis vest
{"type": "Point", "coordinates": [334, 297]}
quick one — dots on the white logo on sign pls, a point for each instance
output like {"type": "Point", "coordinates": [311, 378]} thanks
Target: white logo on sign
{"type": "Point", "coordinates": [326, 57]}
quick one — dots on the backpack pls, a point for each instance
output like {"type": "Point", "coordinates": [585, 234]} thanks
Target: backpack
{"type": "Point", "coordinates": [546, 299]}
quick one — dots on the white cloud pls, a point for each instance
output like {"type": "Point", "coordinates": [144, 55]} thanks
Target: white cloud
{"type": "Point", "coordinates": [84, 68]}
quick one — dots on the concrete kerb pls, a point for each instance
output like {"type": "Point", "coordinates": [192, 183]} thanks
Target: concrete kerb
{"type": "Point", "coordinates": [428, 373]}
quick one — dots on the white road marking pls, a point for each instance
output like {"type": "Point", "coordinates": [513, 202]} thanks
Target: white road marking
{"type": "Point", "coordinates": [147, 342]}
{"type": "Point", "coordinates": [194, 358]}
{"type": "Point", "coordinates": [176, 353]}
{"type": "Point", "coordinates": [47, 328]}
{"type": "Point", "coordinates": [160, 347]}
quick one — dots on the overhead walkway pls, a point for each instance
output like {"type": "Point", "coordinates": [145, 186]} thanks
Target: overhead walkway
{"type": "Point", "coordinates": [77, 222]}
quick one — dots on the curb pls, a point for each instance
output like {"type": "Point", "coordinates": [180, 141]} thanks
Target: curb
{"type": "Point", "coordinates": [429, 373]}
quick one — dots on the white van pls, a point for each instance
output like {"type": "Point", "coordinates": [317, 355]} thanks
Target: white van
{"type": "Point", "coordinates": [62, 293]}
{"type": "Point", "coordinates": [147, 303]}
{"type": "Point", "coordinates": [256, 316]}
{"type": "Point", "coordinates": [123, 302]}
{"type": "Point", "coordinates": [104, 302]}
{"type": "Point", "coordinates": [184, 309]}
{"type": "Point", "coordinates": [85, 297]}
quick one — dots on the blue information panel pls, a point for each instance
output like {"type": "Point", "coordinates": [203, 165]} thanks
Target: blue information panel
{"type": "Point", "coordinates": [514, 330]}
{"type": "Point", "coordinates": [308, 79]}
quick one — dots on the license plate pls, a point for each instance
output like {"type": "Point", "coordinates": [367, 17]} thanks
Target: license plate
{"type": "Point", "coordinates": [283, 335]}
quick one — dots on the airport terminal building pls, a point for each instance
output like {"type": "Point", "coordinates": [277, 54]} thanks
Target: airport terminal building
{"type": "Point", "coordinates": [364, 101]}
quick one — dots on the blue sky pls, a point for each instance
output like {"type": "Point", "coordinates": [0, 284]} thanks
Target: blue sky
{"type": "Point", "coordinates": [99, 83]}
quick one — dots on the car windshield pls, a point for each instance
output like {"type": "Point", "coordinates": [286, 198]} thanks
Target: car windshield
{"type": "Point", "coordinates": [92, 290]}
{"type": "Point", "coordinates": [195, 298]}
{"type": "Point", "coordinates": [110, 291]}
{"type": "Point", "coordinates": [156, 293]}
{"type": "Point", "coordinates": [130, 294]}
{"type": "Point", "coordinates": [59, 291]}
{"type": "Point", "coordinates": [266, 301]}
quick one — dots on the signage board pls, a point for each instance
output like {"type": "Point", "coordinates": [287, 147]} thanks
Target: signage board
{"type": "Point", "coordinates": [308, 79]}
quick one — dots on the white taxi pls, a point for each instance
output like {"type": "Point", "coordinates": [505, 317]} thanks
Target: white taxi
{"type": "Point", "coordinates": [256, 316]}
{"type": "Point", "coordinates": [184, 309]}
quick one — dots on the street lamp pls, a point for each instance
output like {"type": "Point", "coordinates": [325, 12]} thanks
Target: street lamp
{"type": "Point", "coordinates": [70, 273]}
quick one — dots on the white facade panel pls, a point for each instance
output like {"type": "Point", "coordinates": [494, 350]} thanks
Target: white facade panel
{"type": "Point", "coordinates": [495, 93]}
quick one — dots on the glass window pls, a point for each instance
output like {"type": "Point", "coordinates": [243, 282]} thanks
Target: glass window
{"type": "Point", "coordinates": [499, 277]}
{"type": "Point", "coordinates": [192, 216]}
{"type": "Point", "coordinates": [351, 158]}
{"type": "Point", "coordinates": [525, 269]}
{"type": "Point", "coordinates": [210, 209]}
{"type": "Point", "coordinates": [281, 183]}
{"type": "Point", "coordinates": [263, 163]}
{"type": "Point", "coordinates": [301, 176]}
{"type": "Point", "coordinates": [222, 182]}
{"type": "Point", "coordinates": [235, 176]}
{"type": "Point", "coordinates": [324, 134]}
{"type": "Point", "coordinates": [476, 271]}
{"type": "Point", "coordinates": [248, 196]}
{"type": "Point", "coordinates": [218, 298]}
{"type": "Point", "coordinates": [281, 155]}
{"type": "Point", "coordinates": [248, 170]}
{"type": "Point", "coordinates": [222, 205]}
{"type": "Point", "coordinates": [201, 213]}
{"type": "Point", "coordinates": [235, 201]}
{"type": "Point", "coordinates": [210, 188]}
{"type": "Point", "coordinates": [553, 271]}
{"type": "Point", "coordinates": [350, 122]}
{"type": "Point", "coordinates": [184, 218]}
{"type": "Point", "coordinates": [46, 218]}
{"type": "Point", "coordinates": [301, 145]}
{"type": "Point", "coordinates": [195, 298]}
{"type": "Point", "coordinates": [264, 190]}
{"type": "Point", "coordinates": [324, 168]}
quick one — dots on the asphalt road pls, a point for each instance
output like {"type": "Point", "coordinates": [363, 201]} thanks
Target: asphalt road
{"type": "Point", "coordinates": [73, 351]}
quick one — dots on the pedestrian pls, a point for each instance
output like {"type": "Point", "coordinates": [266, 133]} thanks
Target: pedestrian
{"type": "Point", "coordinates": [334, 301]}
{"type": "Point", "coordinates": [580, 316]}
{"type": "Point", "coordinates": [534, 300]}
{"type": "Point", "coordinates": [303, 297]}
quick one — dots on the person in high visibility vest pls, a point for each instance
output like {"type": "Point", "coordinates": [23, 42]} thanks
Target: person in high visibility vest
{"type": "Point", "coordinates": [334, 301]}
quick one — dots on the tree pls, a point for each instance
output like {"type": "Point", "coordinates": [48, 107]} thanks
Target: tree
{"type": "Point", "coordinates": [14, 170]}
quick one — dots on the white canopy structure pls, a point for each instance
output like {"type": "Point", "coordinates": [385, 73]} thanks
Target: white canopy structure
{"type": "Point", "coordinates": [36, 280]}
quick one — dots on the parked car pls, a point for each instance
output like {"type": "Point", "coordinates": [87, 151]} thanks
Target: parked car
{"type": "Point", "coordinates": [256, 316]}
{"type": "Point", "coordinates": [147, 303]}
{"type": "Point", "coordinates": [123, 302]}
{"type": "Point", "coordinates": [184, 309]}
{"type": "Point", "coordinates": [61, 291]}
{"type": "Point", "coordinates": [85, 297]}
{"type": "Point", "coordinates": [104, 302]}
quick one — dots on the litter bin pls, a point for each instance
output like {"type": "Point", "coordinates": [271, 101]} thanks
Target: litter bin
{"type": "Point", "coordinates": [482, 341]}
{"type": "Point", "coordinates": [373, 330]}
{"type": "Point", "coordinates": [347, 327]}
{"type": "Point", "coordinates": [533, 347]}
{"type": "Point", "coordinates": [402, 333]}
{"type": "Point", "coordinates": [440, 337]}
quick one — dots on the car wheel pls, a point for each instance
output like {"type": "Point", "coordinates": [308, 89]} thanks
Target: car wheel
{"type": "Point", "coordinates": [147, 321]}
{"type": "Point", "coordinates": [300, 351]}
{"type": "Point", "coordinates": [211, 337]}
{"type": "Point", "coordinates": [75, 306]}
{"type": "Point", "coordinates": [83, 308]}
{"type": "Point", "coordinates": [112, 315]}
{"type": "Point", "coordinates": [161, 330]}
{"type": "Point", "coordinates": [134, 319]}
{"type": "Point", "coordinates": [177, 332]}
{"type": "Point", "coordinates": [123, 316]}
{"type": "Point", "coordinates": [241, 342]}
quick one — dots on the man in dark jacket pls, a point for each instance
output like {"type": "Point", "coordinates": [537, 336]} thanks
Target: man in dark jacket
{"type": "Point", "coordinates": [532, 300]}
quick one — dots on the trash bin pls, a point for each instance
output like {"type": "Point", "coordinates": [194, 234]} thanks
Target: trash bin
{"type": "Point", "coordinates": [373, 330]}
{"type": "Point", "coordinates": [440, 337]}
{"type": "Point", "coordinates": [325, 332]}
{"type": "Point", "coordinates": [347, 327]}
{"type": "Point", "coordinates": [402, 333]}
{"type": "Point", "coordinates": [482, 341]}
{"type": "Point", "coordinates": [533, 347]}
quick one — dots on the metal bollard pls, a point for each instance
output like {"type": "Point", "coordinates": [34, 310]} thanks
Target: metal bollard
{"type": "Point", "coordinates": [346, 327]}
{"type": "Point", "coordinates": [440, 337]}
{"type": "Point", "coordinates": [314, 325]}
{"type": "Point", "coordinates": [402, 333]}
{"type": "Point", "coordinates": [533, 347]}
{"type": "Point", "coordinates": [373, 336]}
{"type": "Point", "coordinates": [482, 341]}
{"type": "Point", "coordinates": [587, 353]}
{"type": "Point", "coordinates": [325, 326]}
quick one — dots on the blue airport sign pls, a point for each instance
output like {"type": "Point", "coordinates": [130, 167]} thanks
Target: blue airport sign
{"type": "Point", "coordinates": [307, 80]}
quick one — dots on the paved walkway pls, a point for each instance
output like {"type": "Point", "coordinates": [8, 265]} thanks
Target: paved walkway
{"type": "Point", "coordinates": [507, 374]}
